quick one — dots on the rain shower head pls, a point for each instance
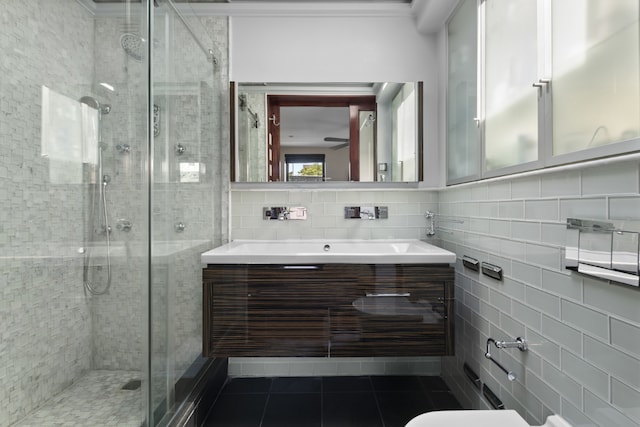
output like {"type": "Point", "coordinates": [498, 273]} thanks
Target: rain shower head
{"type": "Point", "coordinates": [94, 103]}
{"type": "Point", "coordinates": [132, 45]}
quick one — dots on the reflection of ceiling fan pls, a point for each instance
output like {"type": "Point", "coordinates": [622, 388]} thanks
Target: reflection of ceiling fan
{"type": "Point", "coordinates": [344, 142]}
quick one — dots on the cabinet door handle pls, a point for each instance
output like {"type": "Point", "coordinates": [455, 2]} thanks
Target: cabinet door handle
{"type": "Point", "coordinates": [540, 84]}
{"type": "Point", "coordinates": [399, 294]}
{"type": "Point", "coordinates": [300, 267]}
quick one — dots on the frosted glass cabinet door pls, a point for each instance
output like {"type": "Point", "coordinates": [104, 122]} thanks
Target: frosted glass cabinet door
{"type": "Point", "coordinates": [511, 67]}
{"type": "Point", "coordinates": [596, 64]}
{"type": "Point", "coordinates": [463, 142]}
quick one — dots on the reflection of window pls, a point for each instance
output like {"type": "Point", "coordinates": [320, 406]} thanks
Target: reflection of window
{"type": "Point", "coordinates": [305, 167]}
{"type": "Point", "coordinates": [404, 134]}
{"type": "Point", "coordinates": [190, 172]}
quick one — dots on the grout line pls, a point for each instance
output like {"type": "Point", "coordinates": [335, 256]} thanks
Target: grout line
{"type": "Point", "coordinates": [266, 405]}
{"type": "Point", "coordinates": [321, 402]}
{"type": "Point", "coordinates": [375, 397]}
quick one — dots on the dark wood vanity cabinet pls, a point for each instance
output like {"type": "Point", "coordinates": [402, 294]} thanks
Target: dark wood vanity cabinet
{"type": "Point", "coordinates": [328, 310]}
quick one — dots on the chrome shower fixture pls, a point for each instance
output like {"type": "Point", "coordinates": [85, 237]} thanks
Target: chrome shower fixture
{"type": "Point", "coordinates": [123, 148]}
{"type": "Point", "coordinates": [156, 120]}
{"type": "Point", "coordinates": [132, 45]}
{"type": "Point", "coordinates": [99, 217]}
{"type": "Point", "coordinates": [95, 104]}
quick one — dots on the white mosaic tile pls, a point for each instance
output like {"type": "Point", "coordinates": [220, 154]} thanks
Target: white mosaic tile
{"type": "Point", "coordinates": [95, 399]}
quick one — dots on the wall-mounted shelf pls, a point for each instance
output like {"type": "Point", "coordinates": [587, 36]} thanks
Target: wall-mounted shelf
{"type": "Point", "coordinates": [604, 248]}
{"type": "Point", "coordinates": [493, 271]}
{"type": "Point", "coordinates": [471, 263]}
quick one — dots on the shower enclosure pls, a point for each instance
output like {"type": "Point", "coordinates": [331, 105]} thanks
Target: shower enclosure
{"type": "Point", "coordinates": [112, 117]}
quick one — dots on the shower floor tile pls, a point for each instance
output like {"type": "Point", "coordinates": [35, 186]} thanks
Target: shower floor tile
{"type": "Point", "coordinates": [96, 399]}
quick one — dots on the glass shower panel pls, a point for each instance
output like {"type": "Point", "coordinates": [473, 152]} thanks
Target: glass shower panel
{"type": "Point", "coordinates": [511, 66]}
{"type": "Point", "coordinates": [596, 63]}
{"type": "Point", "coordinates": [72, 282]}
{"type": "Point", "coordinates": [187, 109]}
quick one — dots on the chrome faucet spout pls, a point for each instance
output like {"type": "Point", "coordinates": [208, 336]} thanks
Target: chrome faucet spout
{"type": "Point", "coordinates": [369, 214]}
{"type": "Point", "coordinates": [283, 215]}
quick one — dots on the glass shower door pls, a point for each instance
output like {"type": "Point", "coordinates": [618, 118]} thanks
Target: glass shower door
{"type": "Point", "coordinates": [186, 124]}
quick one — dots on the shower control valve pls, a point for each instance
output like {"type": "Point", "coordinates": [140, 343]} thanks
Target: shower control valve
{"type": "Point", "coordinates": [124, 225]}
{"type": "Point", "coordinates": [179, 227]}
{"type": "Point", "coordinates": [123, 148]}
{"type": "Point", "coordinates": [103, 230]}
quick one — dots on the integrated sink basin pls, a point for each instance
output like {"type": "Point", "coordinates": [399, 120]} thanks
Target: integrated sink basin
{"type": "Point", "coordinates": [383, 251]}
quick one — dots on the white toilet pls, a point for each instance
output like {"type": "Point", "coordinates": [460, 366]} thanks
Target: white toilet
{"type": "Point", "coordinates": [498, 418]}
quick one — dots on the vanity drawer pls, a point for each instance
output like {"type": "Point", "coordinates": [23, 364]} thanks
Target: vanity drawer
{"type": "Point", "coordinates": [332, 310]}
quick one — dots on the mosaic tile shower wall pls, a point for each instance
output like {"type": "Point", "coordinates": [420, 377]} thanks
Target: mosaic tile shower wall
{"type": "Point", "coordinates": [45, 339]}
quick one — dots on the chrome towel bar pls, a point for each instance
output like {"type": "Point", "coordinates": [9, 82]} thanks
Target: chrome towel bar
{"type": "Point", "coordinates": [519, 343]}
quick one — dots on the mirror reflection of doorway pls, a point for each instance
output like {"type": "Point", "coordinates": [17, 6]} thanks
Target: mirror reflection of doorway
{"type": "Point", "coordinates": [339, 140]}
{"type": "Point", "coordinates": [305, 167]}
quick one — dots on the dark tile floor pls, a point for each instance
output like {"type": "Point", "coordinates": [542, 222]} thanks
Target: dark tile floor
{"type": "Point", "coordinates": [376, 401]}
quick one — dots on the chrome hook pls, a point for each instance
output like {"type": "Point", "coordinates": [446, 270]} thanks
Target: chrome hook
{"type": "Point", "coordinates": [431, 223]}
{"type": "Point", "coordinates": [274, 120]}
{"type": "Point", "coordinates": [123, 148]}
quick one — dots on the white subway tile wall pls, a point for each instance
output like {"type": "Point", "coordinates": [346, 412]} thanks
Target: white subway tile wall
{"type": "Point", "coordinates": [326, 214]}
{"type": "Point", "coordinates": [584, 358]}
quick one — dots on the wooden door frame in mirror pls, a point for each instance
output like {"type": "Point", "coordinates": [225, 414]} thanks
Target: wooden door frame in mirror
{"type": "Point", "coordinates": [232, 130]}
{"type": "Point", "coordinates": [420, 142]}
{"type": "Point", "coordinates": [355, 104]}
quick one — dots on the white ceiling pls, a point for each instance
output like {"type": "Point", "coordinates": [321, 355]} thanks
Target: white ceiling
{"type": "Point", "coordinates": [308, 126]}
